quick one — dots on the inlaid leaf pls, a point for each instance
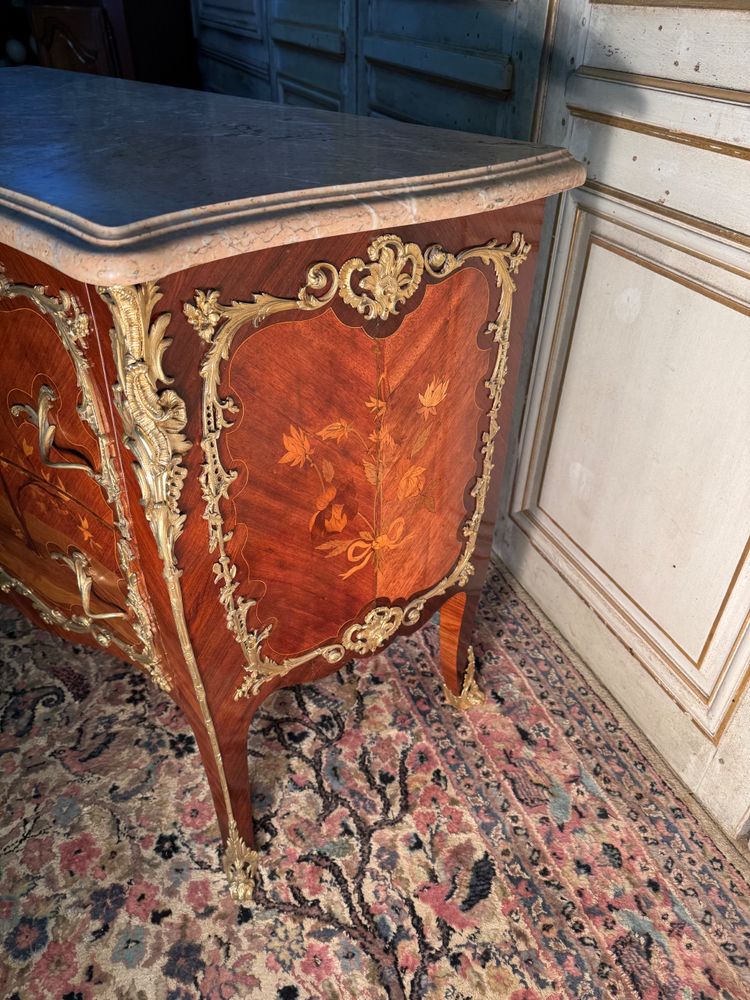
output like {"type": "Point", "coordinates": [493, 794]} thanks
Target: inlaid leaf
{"type": "Point", "coordinates": [298, 448]}
{"type": "Point", "coordinates": [421, 440]}
{"type": "Point", "coordinates": [412, 483]}
{"type": "Point", "coordinates": [371, 472]}
{"type": "Point", "coordinates": [338, 431]}
{"type": "Point", "coordinates": [334, 548]}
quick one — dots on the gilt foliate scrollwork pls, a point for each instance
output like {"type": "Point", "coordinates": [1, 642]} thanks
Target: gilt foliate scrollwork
{"type": "Point", "coordinates": [375, 290]}
{"type": "Point", "coordinates": [154, 418]}
{"type": "Point", "coordinates": [217, 324]}
{"type": "Point", "coordinates": [72, 326]}
{"type": "Point", "coordinates": [471, 695]}
{"type": "Point", "coordinates": [392, 276]}
{"type": "Point", "coordinates": [39, 418]}
{"type": "Point", "coordinates": [240, 865]}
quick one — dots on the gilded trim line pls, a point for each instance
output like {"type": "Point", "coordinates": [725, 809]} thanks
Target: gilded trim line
{"type": "Point", "coordinates": [660, 132]}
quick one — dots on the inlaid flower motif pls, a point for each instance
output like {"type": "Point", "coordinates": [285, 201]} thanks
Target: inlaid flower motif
{"type": "Point", "coordinates": [321, 502]}
{"type": "Point", "coordinates": [338, 519]}
{"type": "Point", "coordinates": [85, 528]}
{"type": "Point", "coordinates": [412, 482]}
{"type": "Point", "coordinates": [376, 406]}
{"type": "Point", "coordinates": [433, 395]}
{"type": "Point", "coordinates": [338, 431]}
{"type": "Point", "coordinates": [367, 535]}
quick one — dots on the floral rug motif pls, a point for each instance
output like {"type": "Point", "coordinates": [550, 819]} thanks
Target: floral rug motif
{"type": "Point", "coordinates": [526, 849]}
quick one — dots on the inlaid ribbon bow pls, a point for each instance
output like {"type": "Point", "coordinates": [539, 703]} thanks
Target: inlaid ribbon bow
{"type": "Point", "coordinates": [362, 549]}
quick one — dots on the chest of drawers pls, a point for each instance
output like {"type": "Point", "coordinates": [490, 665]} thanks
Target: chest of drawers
{"type": "Point", "coordinates": [256, 389]}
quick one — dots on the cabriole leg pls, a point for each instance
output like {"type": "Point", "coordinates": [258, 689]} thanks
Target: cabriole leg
{"type": "Point", "coordinates": [456, 653]}
{"type": "Point", "coordinates": [232, 799]}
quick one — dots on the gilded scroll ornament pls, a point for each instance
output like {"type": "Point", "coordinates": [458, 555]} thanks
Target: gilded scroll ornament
{"type": "Point", "coordinates": [471, 695]}
{"type": "Point", "coordinates": [81, 624]}
{"type": "Point", "coordinates": [153, 421]}
{"type": "Point", "coordinates": [393, 275]}
{"type": "Point", "coordinates": [39, 418]}
{"type": "Point", "coordinates": [377, 628]}
{"type": "Point", "coordinates": [72, 327]}
{"type": "Point", "coordinates": [78, 562]}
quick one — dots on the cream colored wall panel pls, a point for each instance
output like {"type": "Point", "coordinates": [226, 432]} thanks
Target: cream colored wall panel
{"type": "Point", "coordinates": [645, 477]}
{"type": "Point", "coordinates": [691, 180]}
{"type": "Point", "coordinates": [626, 501]}
{"type": "Point", "coordinates": [707, 686]}
{"type": "Point", "coordinates": [696, 46]}
{"type": "Point", "coordinates": [724, 122]}
{"type": "Point", "coordinates": [650, 705]}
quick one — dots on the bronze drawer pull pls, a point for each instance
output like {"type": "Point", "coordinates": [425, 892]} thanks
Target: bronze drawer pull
{"type": "Point", "coordinates": [39, 418]}
{"type": "Point", "coordinates": [78, 562]}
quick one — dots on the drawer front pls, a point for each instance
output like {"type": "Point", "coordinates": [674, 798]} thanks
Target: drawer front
{"type": "Point", "coordinates": [50, 544]}
{"type": "Point", "coordinates": [65, 541]}
{"type": "Point", "coordinates": [40, 399]}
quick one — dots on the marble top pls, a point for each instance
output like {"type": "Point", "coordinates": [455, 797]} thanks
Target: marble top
{"type": "Point", "coordinates": [116, 182]}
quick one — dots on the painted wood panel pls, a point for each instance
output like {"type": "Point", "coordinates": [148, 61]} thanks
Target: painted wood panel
{"type": "Point", "coordinates": [233, 47]}
{"type": "Point", "coordinates": [697, 46]}
{"type": "Point", "coordinates": [468, 65]}
{"type": "Point", "coordinates": [628, 513]}
{"type": "Point", "coordinates": [311, 51]}
{"type": "Point", "coordinates": [646, 353]}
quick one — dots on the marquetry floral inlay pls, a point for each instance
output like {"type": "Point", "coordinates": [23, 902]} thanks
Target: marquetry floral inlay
{"type": "Point", "coordinates": [340, 525]}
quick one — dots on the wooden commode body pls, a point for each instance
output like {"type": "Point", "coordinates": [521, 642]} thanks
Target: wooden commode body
{"type": "Point", "coordinates": [258, 368]}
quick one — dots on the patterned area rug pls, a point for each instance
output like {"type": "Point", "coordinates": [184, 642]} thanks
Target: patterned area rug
{"type": "Point", "coordinates": [527, 849]}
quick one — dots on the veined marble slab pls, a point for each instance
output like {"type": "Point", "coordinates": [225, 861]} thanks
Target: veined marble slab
{"type": "Point", "coordinates": [116, 182]}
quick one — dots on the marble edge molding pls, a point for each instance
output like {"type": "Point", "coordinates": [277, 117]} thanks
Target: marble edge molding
{"type": "Point", "coordinates": [152, 248]}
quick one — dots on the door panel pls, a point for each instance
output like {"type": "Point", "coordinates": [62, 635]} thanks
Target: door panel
{"type": "Point", "coordinates": [450, 69]}
{"type": "Point", "coordinates": [465, 64]}
{"type": "Point", "coordinates": [312, 55]}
